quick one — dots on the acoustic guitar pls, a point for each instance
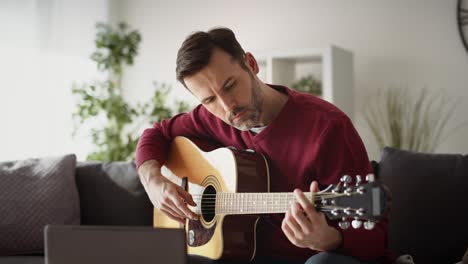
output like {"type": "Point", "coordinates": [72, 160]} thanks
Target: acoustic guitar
{"type": "Point", "coordinates": [231, 189]}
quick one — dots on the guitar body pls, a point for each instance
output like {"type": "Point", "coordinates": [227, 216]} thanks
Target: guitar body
{"type": "Point", "coordinates": [231, 188]}
{"type": "Point", "coordinates": [223, 170]}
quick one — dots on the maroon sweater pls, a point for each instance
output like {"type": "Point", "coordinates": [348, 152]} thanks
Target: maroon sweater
{"type": "Point", "coordinates": [309, 140]}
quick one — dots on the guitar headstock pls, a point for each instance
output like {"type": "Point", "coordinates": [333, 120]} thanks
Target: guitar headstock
{"type": "Point", "coordinates": [356, 202]}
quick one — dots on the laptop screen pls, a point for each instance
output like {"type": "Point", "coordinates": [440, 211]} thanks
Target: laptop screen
{"type": "Point", "coordinates": [116, 245]}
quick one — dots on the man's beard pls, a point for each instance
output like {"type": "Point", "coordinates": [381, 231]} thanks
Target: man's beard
{"type": "Point", "coordinates": [252, 118]}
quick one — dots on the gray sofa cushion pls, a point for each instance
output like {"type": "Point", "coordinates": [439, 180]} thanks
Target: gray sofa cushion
{"type": "Point", "coordinates": [429, 211]}
{"type": "Point", "coordinates": [34, 193]}
{"type": "Point", "coordinates": [111, 194]}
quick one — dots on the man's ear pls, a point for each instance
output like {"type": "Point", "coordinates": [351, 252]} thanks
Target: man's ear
{"type": "Point", "coordinates": [251, 62]}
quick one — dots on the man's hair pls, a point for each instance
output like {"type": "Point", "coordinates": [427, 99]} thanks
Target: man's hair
{"type": "Point", "coordinates": [198, 47]}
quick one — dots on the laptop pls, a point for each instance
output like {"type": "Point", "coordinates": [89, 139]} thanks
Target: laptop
{"type": "Point", "coordinates": [70, 244]}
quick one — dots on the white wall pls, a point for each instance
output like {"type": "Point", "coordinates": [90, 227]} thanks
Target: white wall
{"type": "Point", "coordinates": [44, 48]}
{"type": "Point", "coordinates": [400, 42]}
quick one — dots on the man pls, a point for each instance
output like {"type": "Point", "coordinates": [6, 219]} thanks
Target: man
{"type": "Point", "coordinates": [305, 139]}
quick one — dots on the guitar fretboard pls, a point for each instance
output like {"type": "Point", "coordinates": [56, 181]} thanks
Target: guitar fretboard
{"type": "Point", "coordinates": [256, 203]}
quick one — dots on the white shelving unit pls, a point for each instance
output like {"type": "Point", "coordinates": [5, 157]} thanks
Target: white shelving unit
{"type": "Point", "coordinates": [332, 65]}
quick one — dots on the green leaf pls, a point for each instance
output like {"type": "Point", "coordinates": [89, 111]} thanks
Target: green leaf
{"type": "Point", "coordinates": [117, 124]}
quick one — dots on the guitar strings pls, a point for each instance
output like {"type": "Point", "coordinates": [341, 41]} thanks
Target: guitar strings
{"type": "Point", "coordinates": [324, 195]}
{"type": "Point", "coordinates": [206, 197]}
{"type": "Point", "coordinates": [266, 193]}
{"type": "Point", "coordinates": [208, 201]}
{"type": "Point", "coordinates": [268, 205]}
{"type": "Point", "coordinates": [319, 208]}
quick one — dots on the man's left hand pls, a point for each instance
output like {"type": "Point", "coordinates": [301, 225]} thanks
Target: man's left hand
{"type": "Point", "coordinates": [307, 228]}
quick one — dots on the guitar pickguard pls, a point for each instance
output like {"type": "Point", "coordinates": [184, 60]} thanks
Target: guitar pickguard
{"type": "Point", "coordinates": [198, 235]}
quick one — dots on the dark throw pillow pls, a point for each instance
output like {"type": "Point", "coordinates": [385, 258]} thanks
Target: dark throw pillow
{"type": "Point", "coordinates": [34, 193]}
{"type": "Point", "coordinates": [111, 194]}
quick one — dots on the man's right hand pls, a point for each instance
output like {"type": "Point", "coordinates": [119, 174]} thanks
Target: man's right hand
{"type": "Point", "coordinates": [164, 194]}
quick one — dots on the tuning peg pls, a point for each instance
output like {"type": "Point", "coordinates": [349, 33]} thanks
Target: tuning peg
{"type": "Point", "coordinates": [369, 225]}
{"type": "Point", "coordinates": [356, 223]}
{"type": "Point", "coordinates": [360, 190]}
{"type": "Point", "coordinates": [358, 180]}
{"type": "Point", "coordinates": [360, 211]}
{"type": "Point", "coordinates": [347, 211]}
{"type": "Point", "coordinates": [343, 224]}
{"type": "Point", "coordinates": [348, 191]}
{"type": "Point", "coordinates": [346, 179]}
{"type": "Point", "coordinates": [370, 178]}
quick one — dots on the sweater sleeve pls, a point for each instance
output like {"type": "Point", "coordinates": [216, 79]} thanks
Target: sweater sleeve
{"type": "Point", "coordinates": [342, 152]}
{"type": "Point", "coordinates": [154, 142]}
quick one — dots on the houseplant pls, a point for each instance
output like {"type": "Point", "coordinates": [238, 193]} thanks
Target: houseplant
{"type": "Point", "coordinates": [411, 121]}
{"type": "Point", "coordinates": [308, 84]}
{"type": "Point", "coordinates": [114, 124]}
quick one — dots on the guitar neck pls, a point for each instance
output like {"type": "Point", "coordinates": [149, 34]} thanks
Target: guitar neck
{"type": "Point", "coordinates": [261, 203]}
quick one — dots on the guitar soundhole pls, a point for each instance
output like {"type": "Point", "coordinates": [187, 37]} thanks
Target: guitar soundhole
{"type": "Point", "coordinates": [208, 203]}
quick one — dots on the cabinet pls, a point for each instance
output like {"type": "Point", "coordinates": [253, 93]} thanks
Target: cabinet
{"type": "Point", "coordinates": [332, 65]}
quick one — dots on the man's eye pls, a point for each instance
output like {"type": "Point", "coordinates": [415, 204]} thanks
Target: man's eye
{"type": "Point", "coordinates": [229, 87]}
{"type": "Point", "coordinates": [208, 100]}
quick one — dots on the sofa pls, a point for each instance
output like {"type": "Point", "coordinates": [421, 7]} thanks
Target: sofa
{"type": "Point", "coordinates": [429, 207]}
{"type": "Point", "coordinates": [99, 193]}
{"type": "Point", "coordinates": [428, 216]}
